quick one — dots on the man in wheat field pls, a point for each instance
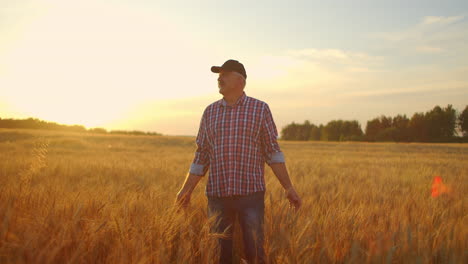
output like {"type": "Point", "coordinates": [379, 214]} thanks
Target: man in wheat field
{"type": "Point", "coordinates": [237, 135]}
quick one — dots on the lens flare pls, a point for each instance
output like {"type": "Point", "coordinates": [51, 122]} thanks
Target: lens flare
{"type": "Point", "coordinates": [439, 188]}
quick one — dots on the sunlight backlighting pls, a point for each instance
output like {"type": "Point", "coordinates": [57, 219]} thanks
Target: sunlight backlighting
{"type": "Point", "coordinates": [91, 63]}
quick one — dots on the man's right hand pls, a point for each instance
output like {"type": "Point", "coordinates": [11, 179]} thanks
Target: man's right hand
{"type": "Point", "coordinates": [183, 198]}
{"type": "Point", "coordinates": [294, 199]}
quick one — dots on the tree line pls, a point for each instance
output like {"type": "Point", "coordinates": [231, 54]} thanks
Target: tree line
{"type": "Point", "coordinates": [436, 125]}
{"type": "Point", "coordinates": [34, 123]}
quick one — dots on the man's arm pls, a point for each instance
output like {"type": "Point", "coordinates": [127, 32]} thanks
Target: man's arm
{"type": "Point", "coordinates": [275, 158]}
{"type": "Point", "coordinates": [280, 171]}
{"type": "Point", "coordinates": [198, 168]}
{"type": "Point", "coordinates": [183, 196]}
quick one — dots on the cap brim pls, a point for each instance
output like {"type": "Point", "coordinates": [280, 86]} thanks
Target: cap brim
{"type": "Point", "coordinates": [216, 69]}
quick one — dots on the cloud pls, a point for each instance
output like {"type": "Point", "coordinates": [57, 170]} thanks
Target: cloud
{"type": "Point", "coordinates": [408, 91]}
{"type": "Point", "coordinates": [317, 69]}
{"type": "Point", "coordinates": [427, 26]}
{"type": "Point", "coordinates": [429, 49]}
{"type": "Point", "coordinates": [431, 35]}
{"type": "Point", "coordinates": [334, 56]}
{"type": "Point", "coordinates": [440, 20]}
{"type": "Point", "coordinates": [325, 84]}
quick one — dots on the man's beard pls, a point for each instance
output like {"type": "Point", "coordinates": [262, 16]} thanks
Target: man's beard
{"type": "Point", "coordinates": [221, 87]}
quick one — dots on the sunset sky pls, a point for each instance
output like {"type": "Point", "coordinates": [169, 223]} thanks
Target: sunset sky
{"type": "Point", "coordinates": [145, 65]}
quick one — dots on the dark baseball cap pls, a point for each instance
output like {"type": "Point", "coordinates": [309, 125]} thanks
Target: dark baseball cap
{"type": "Point", "coordinates": [230, 65]}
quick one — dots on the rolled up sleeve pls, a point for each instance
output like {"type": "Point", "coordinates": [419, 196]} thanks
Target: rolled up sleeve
{"type": "Point", "coordinates": [201, 161]}
{"type": "Point", "coordinates": [270, 147]}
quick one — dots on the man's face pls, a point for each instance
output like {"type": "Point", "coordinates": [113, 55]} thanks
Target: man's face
{"type": "Point", "coordinates": [228, 82]}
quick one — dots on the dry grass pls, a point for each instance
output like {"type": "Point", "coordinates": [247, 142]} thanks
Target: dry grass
{"type": "Point", "coordinates": [71, 198]}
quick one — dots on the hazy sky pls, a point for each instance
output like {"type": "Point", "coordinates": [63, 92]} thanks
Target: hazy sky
{"type": "Point", "coordinates": [128, 64]}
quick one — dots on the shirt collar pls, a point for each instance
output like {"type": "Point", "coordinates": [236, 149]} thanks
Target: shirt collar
{"type": "Point", "coordinates": [239, 102]}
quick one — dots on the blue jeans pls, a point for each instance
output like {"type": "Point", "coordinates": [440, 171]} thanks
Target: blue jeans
{"type": "Point", "coordinates": [250, 210]}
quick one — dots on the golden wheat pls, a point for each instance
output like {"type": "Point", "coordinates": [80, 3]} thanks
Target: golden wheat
{"type": "Point", "coordinates": [83, 198]}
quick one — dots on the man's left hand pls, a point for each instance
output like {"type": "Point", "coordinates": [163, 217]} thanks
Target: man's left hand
{"type": "Point", "coordinates": [293, 198]}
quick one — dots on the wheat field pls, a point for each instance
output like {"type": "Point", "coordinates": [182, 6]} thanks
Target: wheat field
{"type": "Point", "coordinates": [90, 198]}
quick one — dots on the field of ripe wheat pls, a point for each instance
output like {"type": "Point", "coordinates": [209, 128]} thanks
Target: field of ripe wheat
{"type": "Point", "coordinates": [83, 198]}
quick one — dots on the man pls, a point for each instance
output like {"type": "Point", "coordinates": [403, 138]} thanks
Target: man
{"type": "Point", "coordinates": [237, 135]}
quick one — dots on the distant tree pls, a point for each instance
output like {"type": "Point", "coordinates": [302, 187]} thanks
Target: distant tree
{"type": "Point", "coordinates": [77, 128]}
{"type": "Point", "coordinates": [388, 134]}
{"type": "Point", "coordinates": [401, 125]}
{"type": "Point", "coordinates": [418, 128]}
{"type": "Point", "coordinates": [375, 128]}
{"type": "Point", "coordinates": [441, 123]}
{"type": "Point", "coordinates": [305, 129]}
{"type": "Point", "coordinates": [433, 125]}
{"type": "Point", "coordinates": [385, 122]}
{"type": "Point", "coordinates": [353, 130]}
{"type": "Point", "coordinates": [333, 130]}
{"type": "Point", "coordinates": [34, 123]}
{"type": "Point", "coordinates": [315, 133]}
{"type": "Point", "coordinates": [436, 125]}
{"type": "Point", "coordinates": [133, 132]}
{"type": "Point", "coordinates": [298, 131]}
{"type": "Point", "coordinates": [289, 132]}
{"type": "Point", "coordinates": [98, 130]}
{"type": "Point", "coordinates": [137, 132]}
{"type": "Point", "coordinates": [339, 130]}
{"type": "Point", "coordinates": [323, 133]}
{"type": "Point", "coordinates": [463, 122]}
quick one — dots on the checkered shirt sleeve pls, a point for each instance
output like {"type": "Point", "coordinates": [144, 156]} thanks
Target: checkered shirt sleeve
{"type": "Point", "coordinates": [270, 147]}
{"type": "Point", "coordinates": [201, 162]}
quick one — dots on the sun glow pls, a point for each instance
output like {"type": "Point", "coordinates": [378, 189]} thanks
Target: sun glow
{"type": "Point", "coordinates": [91, 63]}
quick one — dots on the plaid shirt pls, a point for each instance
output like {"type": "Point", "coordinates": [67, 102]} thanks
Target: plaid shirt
{"type": "Point", "coordinates": [235, 142]}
